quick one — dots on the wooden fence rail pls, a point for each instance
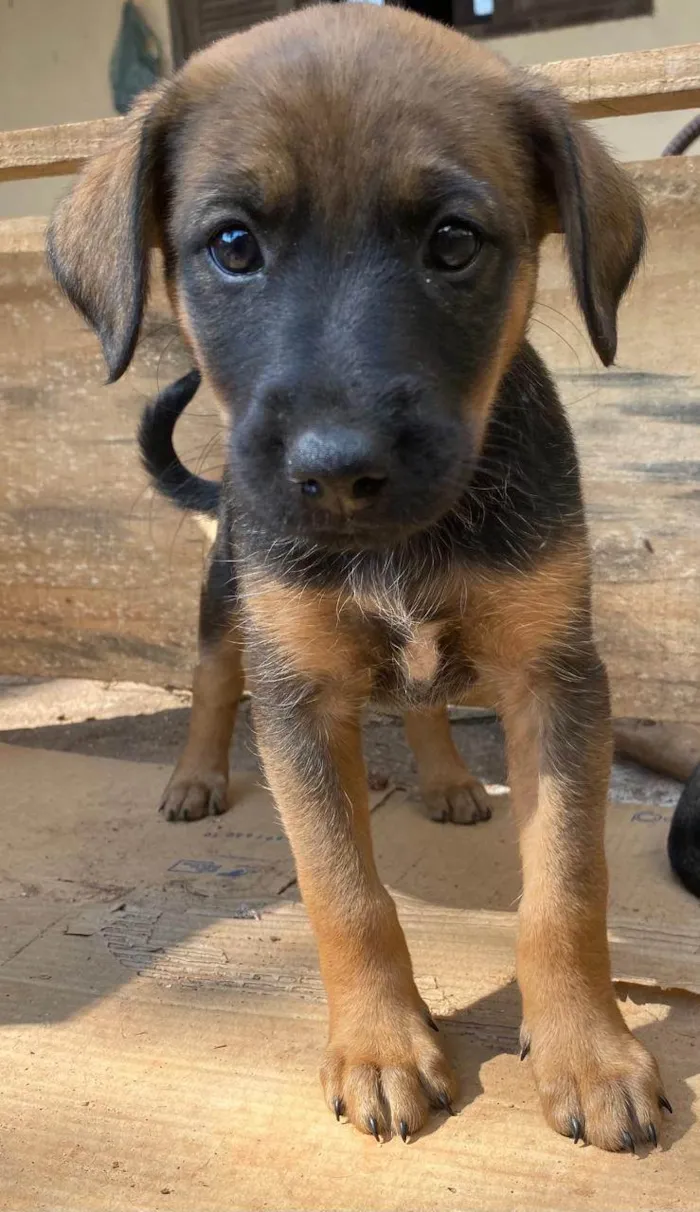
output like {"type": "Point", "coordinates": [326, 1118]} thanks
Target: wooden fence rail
{"type": "Point", "coordinates": [604, 87]}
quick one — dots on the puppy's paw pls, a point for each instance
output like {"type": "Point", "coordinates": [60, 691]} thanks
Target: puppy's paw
{"type": "Point", "coordinates": [597, 1083]}
{"type": "Point", "coordinates": [462, 801]}
{"type": "Point", "coordinates": [189, 797]}
{"type": "Point", "coordinates": [386, 1071]}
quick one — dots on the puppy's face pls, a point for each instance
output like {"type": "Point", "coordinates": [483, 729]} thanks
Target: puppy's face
{"type": "Point", "coordinates": [350, 202]}
{"type": "Point", "coordinates": [350, 260]}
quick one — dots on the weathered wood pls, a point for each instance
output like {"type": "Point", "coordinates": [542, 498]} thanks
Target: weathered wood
{"type": "Point", "coordinates": [22, 235]}
{"type": "Point", "coordinates": [635, 82]}
{"type": "Point", "coordinates": [100, 580]}
{"type": "Point", "coordinates": [53, 151]}
{"type": "Point", "coordinates": [163, 1015]}
{"type": "Point", "coordinates": [670, 749]}
{"type": "Point", "coordinates": [638, 433]}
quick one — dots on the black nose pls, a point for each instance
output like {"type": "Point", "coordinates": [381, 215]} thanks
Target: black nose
{"type": "Point", "coordinates": [339, 468]}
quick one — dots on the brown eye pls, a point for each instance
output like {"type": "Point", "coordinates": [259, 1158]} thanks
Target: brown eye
{"type": "Point", "coordinates": [453, 246]}
{"type": "Point", "coordinates": [236, 251]}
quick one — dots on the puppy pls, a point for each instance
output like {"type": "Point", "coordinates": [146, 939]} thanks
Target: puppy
{"type": "Point", "coordinates": [349, 202]}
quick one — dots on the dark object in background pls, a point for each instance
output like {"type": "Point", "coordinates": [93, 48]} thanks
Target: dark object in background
{"type": "Point", "coordinates": [684, 835]}
{"type": "Point", "coordinates": [482, 19]}
{"type": "Point", "coordinates": [136, 62]}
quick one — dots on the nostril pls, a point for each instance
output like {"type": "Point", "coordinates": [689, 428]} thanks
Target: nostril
{"type": "Point", "coordinates": [367, 487]}
{"type": "Point", "coordinates": [311, 488]}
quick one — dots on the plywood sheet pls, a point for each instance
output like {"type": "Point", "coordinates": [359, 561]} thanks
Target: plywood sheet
{"type": "Point", "coordinates": [161, 1012]}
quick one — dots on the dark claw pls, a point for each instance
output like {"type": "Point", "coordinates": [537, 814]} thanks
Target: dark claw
{"type": "Point", "coordinates": [628, 1143]}
{"type": "Point", "coordinates": [445, 1102]}
{"type": "Point", "coordinates": [576, 1129]}
{"type": "Point", "coordinates": [403, 1131]}
{"type": "Point", "coordinates": [663, 1102]}
{"type": "Point", "coordinates": [432, 1023]}
{"type": "Point", "coordinates": [374, 1127]}
{"type": "Point", "coordinates": [525, 1050]}
{"type": "Point", "coordinates": [338, 1108]}
{"type": "Point", "coordinates": [651, 1135]}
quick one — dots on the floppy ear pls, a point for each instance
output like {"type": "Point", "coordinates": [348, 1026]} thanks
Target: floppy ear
{"type": "Point", "coordinates": [594, 203]}
{"type": "Point", "coordinates": [100, 234]}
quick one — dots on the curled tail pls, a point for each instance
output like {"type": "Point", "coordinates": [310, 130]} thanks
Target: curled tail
{"type": "Point", "coordinates": [155, 437]}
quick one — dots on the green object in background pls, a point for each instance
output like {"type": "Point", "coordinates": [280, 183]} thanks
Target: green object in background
{"type": "Point", "coordinates": [136, 61]}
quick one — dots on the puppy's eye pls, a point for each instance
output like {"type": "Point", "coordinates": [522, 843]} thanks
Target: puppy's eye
{"type": "Point", "coordinates": [453, 246]}
{"type": "Point", "coordinates": [236, 251]}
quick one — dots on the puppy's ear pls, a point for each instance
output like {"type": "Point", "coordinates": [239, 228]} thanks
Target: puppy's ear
{"type": "Point", "coordinates": [99, 236]}
{"type": "Point", "coordinates": [589, 198]}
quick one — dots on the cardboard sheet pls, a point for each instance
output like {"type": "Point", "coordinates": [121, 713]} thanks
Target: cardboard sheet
{"type": "Point", "coordinates": [162, 1016]}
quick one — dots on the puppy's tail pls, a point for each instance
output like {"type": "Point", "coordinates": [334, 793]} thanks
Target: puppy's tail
{"type": "Point", "coordinates": [684, 835]}
{"type": "Point", "coordinates": [155, 437]}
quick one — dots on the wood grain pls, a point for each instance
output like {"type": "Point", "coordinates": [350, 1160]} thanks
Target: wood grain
{"type": "Point", "coordinates": [53, 151]}
{"type": "Point", "coordinates": [669, 749]}
{"type": "Point", "coordinates": [163, 1017]}
{"type": "Point", "coordinates": [100, 580]}
{"type": "Point", "coordinates": [635, 82]}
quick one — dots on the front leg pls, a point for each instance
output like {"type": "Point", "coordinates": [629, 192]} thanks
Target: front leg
{"type": "Point", "coordinates": [595, 1080]}
{"type": "Point", "coordinates": [383, 1066]}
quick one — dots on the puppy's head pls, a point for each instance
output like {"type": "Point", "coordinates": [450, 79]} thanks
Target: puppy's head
{"type": "Point", "coordinates": [349, 201]}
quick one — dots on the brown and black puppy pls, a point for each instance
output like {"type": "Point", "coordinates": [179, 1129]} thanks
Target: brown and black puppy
{"type": "Point", "coordinates": [350, 202]}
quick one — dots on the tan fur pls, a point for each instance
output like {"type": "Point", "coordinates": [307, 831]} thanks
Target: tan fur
{"type": "Point", "coordinates": [306, 628]}
{"type": "Point", "coordinates": [380, 1042]}
{"type": "Point", "coordinates": [511, 337]}
{"type": "Point", "coordinates": [420, 653]}
{"type": "Point", "coordinates": [514, 616]}
{"type": "Point", "coordinates": [449, 790]}
{"type": "Point", "coordinates": [588, 1067]}
{"type": "Point", "coordinates": [198, 786]}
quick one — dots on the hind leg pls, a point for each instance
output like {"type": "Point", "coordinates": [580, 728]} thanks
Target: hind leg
{"type": "Point", "coordinates": [449, 790]}
{"type": "Point", "coordinates": [198, 786]}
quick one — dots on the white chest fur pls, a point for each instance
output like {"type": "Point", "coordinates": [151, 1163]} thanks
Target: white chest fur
{"type": "Point", "coordinates": [421, 654]}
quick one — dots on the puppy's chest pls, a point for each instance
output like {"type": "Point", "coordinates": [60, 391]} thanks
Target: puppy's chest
{"type": "Point", "coordinates": [419, 657]}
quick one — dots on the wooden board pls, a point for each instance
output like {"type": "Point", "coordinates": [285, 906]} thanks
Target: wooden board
{"type": "Point", "coordinates": [635, 82]}
{"type": "Point", "coordinates": [53, 151]}
{"type": "Point", "coordinates": [100, 580]}
{"type": "Point", "coordinates": [162, 1015]}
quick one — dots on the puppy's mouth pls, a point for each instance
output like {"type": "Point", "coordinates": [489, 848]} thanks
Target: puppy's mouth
{"type": "Point", "coordinates": [377, 524]}
{"type": "Point", "coordinates": [347, 489]}
{"type": "Point", "coordinates": [352, 533]}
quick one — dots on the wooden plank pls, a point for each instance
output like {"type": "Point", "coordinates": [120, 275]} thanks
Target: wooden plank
{"type": "Point", "coordinates": [101, 581]}
{"type": "Point", "coordinates": [26, 235]}
{"type": "Point", "coordinates": [53, 151]}
{"type": "Point", "coordinates": [634, 82]}
{"type": "Point", "coordinates": [669, 749]}
{"type": "Point", "coordinates": [637, 428]}
{"type": "Point", "coordinates": [163, 1017]}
